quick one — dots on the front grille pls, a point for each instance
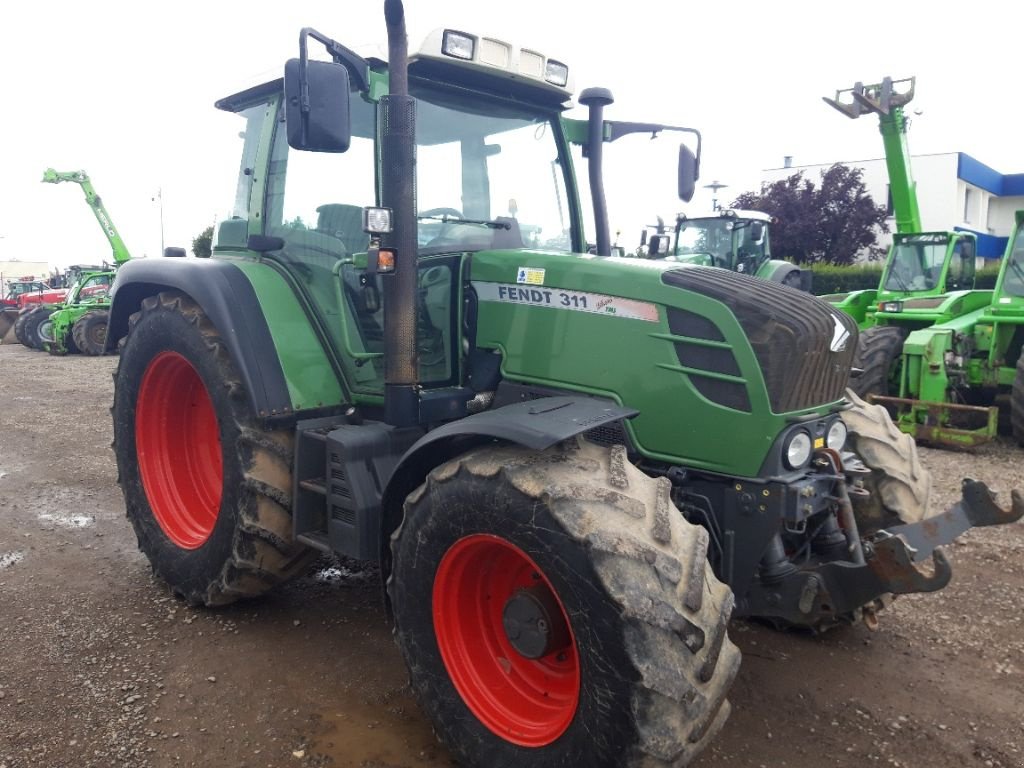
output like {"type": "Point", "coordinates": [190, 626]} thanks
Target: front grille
{"type": "Point", "coordinates": [790, 332]}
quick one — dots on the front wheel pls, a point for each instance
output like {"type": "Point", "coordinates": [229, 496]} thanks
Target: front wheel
{"type": "Point", "coordinates": [878, 354]}
{"type": "Point", "coordinates": [899, 486]}
{"type": "Point", "coordinates": [207, 489]}
{"type": "Point", "coordinates": [31, 329]}
{"type": "Point", "coordinates": [90, 332]}
{"type": "Point", "coordinates": [555, 609]}
{"type": "Point", "coordinates": [1017, 403]}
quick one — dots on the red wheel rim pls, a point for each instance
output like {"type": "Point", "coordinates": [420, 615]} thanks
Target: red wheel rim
{"type": "Point", "coordinates": [529, 702]}
{"type": "Point", "coordinates": [178, 444]}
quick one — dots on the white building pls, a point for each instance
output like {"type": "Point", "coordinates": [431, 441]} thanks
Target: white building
{"type": "Point", "coordinates": [954, 192]}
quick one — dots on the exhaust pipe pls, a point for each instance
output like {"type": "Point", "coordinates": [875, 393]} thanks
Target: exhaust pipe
{"type": "Point", "coordinates": [398, 191]}
{"type": "Point", "coordinates": [596, 99]}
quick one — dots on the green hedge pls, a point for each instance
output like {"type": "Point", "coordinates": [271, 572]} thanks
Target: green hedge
{"type": "Point", "coordinates": [829, 278]}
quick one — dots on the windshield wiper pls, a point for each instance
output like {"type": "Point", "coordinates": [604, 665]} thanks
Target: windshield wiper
{"type": "Point", "coordinates": [893, 274]}
{"type": "Point", "coordinates": [492, 223]}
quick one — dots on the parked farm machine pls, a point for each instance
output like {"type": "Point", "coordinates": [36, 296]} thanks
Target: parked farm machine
{"type": "Point", "coordinates": [79, 324]}
{"type": "Point", "coordinates": [935, 351]}
{"type": "Point", "coordinates": [572, 468]}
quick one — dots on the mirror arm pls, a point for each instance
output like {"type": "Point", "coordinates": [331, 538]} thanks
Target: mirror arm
{"type": "Point", "coordinates": [616, 130]}
{"type": "Point", "coordinates": [357, 66]}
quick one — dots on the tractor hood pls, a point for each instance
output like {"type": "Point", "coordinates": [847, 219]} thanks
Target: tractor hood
{"type": "Point", "coordinates": [697, 351]}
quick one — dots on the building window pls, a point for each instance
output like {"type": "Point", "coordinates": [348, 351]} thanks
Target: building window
{"type": "Point", "coordinates": [967, 205]}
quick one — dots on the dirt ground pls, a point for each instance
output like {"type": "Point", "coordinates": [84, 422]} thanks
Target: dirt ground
{"type": "Point", "coordinates": [100, 666]}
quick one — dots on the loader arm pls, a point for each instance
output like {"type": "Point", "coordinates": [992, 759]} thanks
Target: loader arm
{"type": "Point", "coordinates": [885, 101]}
{"type": "Point", "coordinates": [120, 250]}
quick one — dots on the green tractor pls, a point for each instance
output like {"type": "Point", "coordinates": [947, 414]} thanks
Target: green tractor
{"type": "Point", "coordinates": [572, 468]}
{"type": "Point", "coordinates": [80, 324]}
{"type": "Point", "coordinates": [928, 276]}
{"type": "Point", "coordinates": [732, 239]}
{"type": "Point", "coordinates": [954, 375]}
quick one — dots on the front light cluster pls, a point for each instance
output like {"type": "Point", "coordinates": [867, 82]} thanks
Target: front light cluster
{"type": "Point", "coordinates": [800, 445]}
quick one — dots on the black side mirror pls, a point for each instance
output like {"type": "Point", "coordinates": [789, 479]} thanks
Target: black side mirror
{"type": "Point", "coordinates": [757, 231]}
{"type": "Point", "coordinates": [316, 105]}
{"type": "Point", "coordinates": [688, 173]}
{"type": "Point", "coordinates": [658, 245]}
{"type": "Point", "coordinates": [172, 252]}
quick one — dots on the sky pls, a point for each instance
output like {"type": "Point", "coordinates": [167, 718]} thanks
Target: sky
{"type": "Point", "coordinates": [125, 91]}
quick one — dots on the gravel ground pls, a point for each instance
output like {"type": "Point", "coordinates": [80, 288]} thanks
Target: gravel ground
{"type": "Point", "coordinates": [100, 666]}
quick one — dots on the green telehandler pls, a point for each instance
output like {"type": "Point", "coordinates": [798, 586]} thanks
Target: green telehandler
{"type": "Point", "coordinates": [80, 324]}
{"type": "Point", "coordinates": [928, 276]}
{"type": "Point", "coordinates": [955, 375]}
{"type": "Point", "coordinates": [572, 468]}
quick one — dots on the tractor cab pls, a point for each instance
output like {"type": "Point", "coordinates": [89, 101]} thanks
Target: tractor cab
{"type": "Point", "coordinates": [731, 239]}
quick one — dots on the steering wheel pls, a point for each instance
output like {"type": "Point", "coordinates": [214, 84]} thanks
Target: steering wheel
{"type": "Point", "coordinates": [441, 212]}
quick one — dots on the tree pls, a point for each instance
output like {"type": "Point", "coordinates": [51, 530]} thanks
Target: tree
{"type": "Point", "coordinates": [202, 246]}
{"type": "Point", "coordinates": [831, 223]}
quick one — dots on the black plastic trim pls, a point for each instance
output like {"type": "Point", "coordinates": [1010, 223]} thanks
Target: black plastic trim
{"type": "Point", "coordinates": [228, 299]}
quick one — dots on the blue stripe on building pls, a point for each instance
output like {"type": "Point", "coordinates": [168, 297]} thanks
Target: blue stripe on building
{"type": "Point", "coordinates": [980, 175]}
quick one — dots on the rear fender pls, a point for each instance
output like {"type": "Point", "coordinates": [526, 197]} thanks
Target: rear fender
{"type": "Point", "coordinates": [227, 297]}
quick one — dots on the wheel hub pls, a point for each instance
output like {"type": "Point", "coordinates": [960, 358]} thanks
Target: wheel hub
{"type": "Point", "coordinates": [533, 623]}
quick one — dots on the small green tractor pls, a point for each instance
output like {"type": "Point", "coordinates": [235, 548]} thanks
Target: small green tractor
{"type": "Point", "coordinates": [572, 468]}
{"type": "Point", "coordinates": [732, 239]}
{"type": "Point", "coordinates": [80, 323]}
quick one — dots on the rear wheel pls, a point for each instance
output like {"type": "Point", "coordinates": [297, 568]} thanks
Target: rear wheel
{"type": "Point", "coordinates": [207, 490]}
{"type": "Point", "coordinates": [90, 332]}
{"type": "Point", "coordinates": [555, 609]}
{"type": "Point", "coordinates": [899, 487]}
{"type": "Point", "coordinates": [878, 354]}
{"type": "Point", "coordinates": [1017, 403]}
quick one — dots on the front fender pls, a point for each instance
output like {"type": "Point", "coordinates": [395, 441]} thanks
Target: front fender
{"type": "Point", "coordinates": [227, 297]}
{"type": "Point", "coordinates": [534, 424]}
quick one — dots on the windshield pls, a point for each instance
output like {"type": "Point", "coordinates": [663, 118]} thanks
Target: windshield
{"type": "Point", "coordinates": [916, 263]}
{"type": "Point", "coordinates": [1013, 283]}
{"type": "Point", "coordinates": [491, 165]}
{"type": "Point", "coordinates": [729, 243]}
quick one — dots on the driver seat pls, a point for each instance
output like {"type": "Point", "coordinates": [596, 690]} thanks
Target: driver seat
{"type": "Point", "coordinates": [344, 222]}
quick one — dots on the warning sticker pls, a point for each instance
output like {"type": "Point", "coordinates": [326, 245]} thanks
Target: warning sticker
{"type": "Point", "coordinates": [576, 301]}
{"type": "Point", "coordinates": [530, 276]}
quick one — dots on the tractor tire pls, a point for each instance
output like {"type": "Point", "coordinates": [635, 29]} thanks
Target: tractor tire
{"type": "Point", "coordinates": [793, 280]}
{"type": "Point", "coordinates": [632, 662]}
{"type": "Point", "coordinates": [206, 488]}
{"type": "Point", "coordinates": [33, 320]}
{"type": "Point", "coordinates": [899, 487]}
{"type": "Point", "coordinates": [1017, 403]}
{"type": "Point", "coordinates": [90, 332]}
{"type": "Point", "coordinates": [19, 325]}
{"type": "Point", "coordinates": [878, 350]}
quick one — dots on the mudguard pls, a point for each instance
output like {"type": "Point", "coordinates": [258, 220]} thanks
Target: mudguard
{"type": "Point", "coordinates": [535, 424]}
{"type": "Point", "coordinates": [228, 299]}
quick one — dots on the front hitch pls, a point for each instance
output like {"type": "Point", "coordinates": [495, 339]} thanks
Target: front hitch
{"type": "Point", "coordinates": [897, 550]}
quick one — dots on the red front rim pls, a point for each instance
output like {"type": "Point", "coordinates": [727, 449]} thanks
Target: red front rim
{"type": "Point", "coordinates": [529, 702]}
{"type": "Point", "coordinates": [178, 443]}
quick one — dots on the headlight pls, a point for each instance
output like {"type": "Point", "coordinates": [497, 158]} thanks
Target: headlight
{"type": "Point", "coordinates": [836, 437]}
{"type": "Point", "coordinates": [458, 45]}
{"type": "Point", "coordinates": [798, 450]}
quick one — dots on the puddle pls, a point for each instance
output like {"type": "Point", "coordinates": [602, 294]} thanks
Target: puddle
{"type": "Point", "coordinates": [68, 521]}
{"type": "Point", "coordinates": [8, 559]}
{"type": "Point", "coordinates": [384, 734]}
